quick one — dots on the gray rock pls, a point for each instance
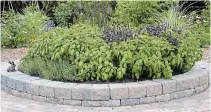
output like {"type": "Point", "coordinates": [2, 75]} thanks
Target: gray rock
{"type": "Point", "coordinates": [100, 92]}
{"type": "Point", "coordinates": [82, 92]}
{"type": "Point", "coordinates": [118, 91]}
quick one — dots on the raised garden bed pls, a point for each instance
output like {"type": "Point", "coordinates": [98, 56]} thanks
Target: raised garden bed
{"type": "Point", "coordinates": [105, 95]}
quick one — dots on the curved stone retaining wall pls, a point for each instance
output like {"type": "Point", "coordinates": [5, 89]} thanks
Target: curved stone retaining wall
{"type": "Point", "coordinates": [113, 94]}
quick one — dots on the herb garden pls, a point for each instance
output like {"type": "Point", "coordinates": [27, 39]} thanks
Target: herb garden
{"type": "Point", "coordinates": [107, 41]}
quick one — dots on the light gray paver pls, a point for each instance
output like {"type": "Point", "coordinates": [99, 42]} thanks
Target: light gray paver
{"type": "Point", "coordinates": [136, 90]}
{"type": "Point", "coordinates": [47, 89]}
{"type": "Point", "coordinates": [153, 88]}
{"type": "Point", "coordinates": [169, 86]}
{"type": "Point", "coordinates": [100, 92]}
{"type": "Point", "coordinates": [130, 102]}
{"type": "Point", "coordinates": [82, 92]}
{"type": "Point", "coordinates": [118, 91]}
{"type": "Point", "coordinates": [64, 90]}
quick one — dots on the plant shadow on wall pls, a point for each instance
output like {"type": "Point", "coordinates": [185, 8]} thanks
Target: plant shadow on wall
{"type": "Point", "coordinates": [91, 50]}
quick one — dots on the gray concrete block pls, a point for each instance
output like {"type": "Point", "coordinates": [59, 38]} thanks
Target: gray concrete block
{"type": "Point", "coordinates": [82, 92]}
{"type": "Point", "coordinates": [91, 103]}
{"type": "Point", "coordinates": [199, 89]}
{"type": "Point", "coordinates": [126, 102]}
{"type": "Point", "coordinates": [177, 95]}
{"type": "Point", "coordinates": [64, 90]}
{"type": "Point", "coordinates": [54, 100]}
{"type": "Point", "coordinates": [153, 88]}
{"type": "Point", "coordinates": [205, 86]}
{"type": "Point", "coordinates": [110, 103]}
{"type": "Point", "coordinates": [26, 95]}
{"type": "Point", "coordinates": [23, 82]}
{"type": "Point", "coordinates": [182, 83]}
{"type": "Point", "coordinates": [189, 92]}
{"type": "Point", "coordinates": [3, 79]}
{"type": "Point", "coordinates": [47, 89]}
{"type": "Point", "coordinates": [100, 92]}
{"type": "Point", "coordinates": [163, 98]}
{"type": "Point", "coordinates": [169, 86]}
{"type": "Point", "coordinates": [33, 86]}
{"type": "Point", "coordinates": [15, 93]}
{"type": "Point", "coordinates": [147, 100]}
{"type": "Point", "coordinates": [203, 79]}
{"type": "Point", "coordinates": [12, 80]}
{"type": "Point", "coordinates": [39, 98]}
{"type": "Point", "coordinates": [118, 91]}
{"type": "Point", "coordinates": [136, 90]}
{"type": "Point", "coordinates": [72, 102]}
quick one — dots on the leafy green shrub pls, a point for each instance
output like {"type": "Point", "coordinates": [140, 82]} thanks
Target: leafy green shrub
{"type": "Point", "coordinates": [62, 71]}
{"type": "Point", "coordinates": [64, 13]}
{"type": "Point", "coordinates": [202, 33]}
{"type": "Point", "coordinates": [20, 30]}
{"type": "Point", "coordinates": [133, 13]}
{"type": "Point", "coordinates": [82, 48]}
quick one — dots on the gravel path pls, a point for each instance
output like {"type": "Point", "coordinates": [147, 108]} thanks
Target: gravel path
{"type": "Point", "coordinates": [13, 54]}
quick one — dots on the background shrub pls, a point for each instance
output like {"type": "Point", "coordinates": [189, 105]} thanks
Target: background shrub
{"type": "Point", "coordinates": [20, 30]}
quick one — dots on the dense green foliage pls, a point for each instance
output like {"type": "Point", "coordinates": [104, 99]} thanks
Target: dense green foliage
{"type": "Point", "coordinates": [20, 30]}
{"type": "Point", "coordinates": [64, 13]}
{"type": "Point", "coordinates": [93, 59]}
{"type": "Point", "coordinates": [133, 13]}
